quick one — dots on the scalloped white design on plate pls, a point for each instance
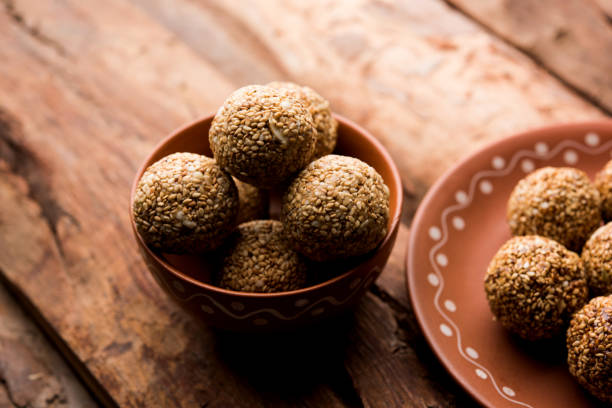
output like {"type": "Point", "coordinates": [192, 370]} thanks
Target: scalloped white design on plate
{"type": "Point", "coordinates": [570, 157]}
{"type": "Point", "coordinates": [591, 139]}
{"type": "Point", "coordinates": [541, 148]}
{"type": "Point", "coordinates": [441, 259]}
{"type": "Point", "coordinates": [433, 279]}
{"type": "Point", "coordinates": [471, 352]}
{"type": "Point", "coordinates": [527, 166]}
{"type": "Point", "coordinates": [450, 305]}
{"type": "Point", "coordinates": [498, 162]}
{"type": "Point", "coordinates": [458, 223]}
{"type": "Point", "coordinates": [461, 197]}
{"type": "Point", "coordinates": [569, 148]}
{"type": "Point", "coordinates": [486, 187]}
{"type": "Point", "coordinates": [435, 233]}
{"type": "Point", "coordinates": [301, 302]}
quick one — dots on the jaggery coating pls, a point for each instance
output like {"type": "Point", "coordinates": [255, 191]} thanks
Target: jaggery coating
{"type": "Point", "coordinates": [253, 202]}
{"type": "Point", "coordinates": [324, 122]}
{"type": "Point", "coordinates": [337, 207]}
{"type": "Point", "coordinates": [184, 203]}
{"type": "Point", "coordinates": [597, 261]}
{"type": "Point", "coordinates": [589, 347]}
{"type": "Point", "coordinates": [603, 183]}
{"type": "Point", "coordinates": [558, 203]}
{"type": "Point", "coordinates": [261, 136]}
{"type": "Point", "coordinates": [533, 285]}
{"type": "Point", "coordinates": [258, 260]}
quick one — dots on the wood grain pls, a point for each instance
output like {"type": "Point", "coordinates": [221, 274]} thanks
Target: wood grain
{"type": "Point", "coordinates": [572, 38]}
{"type": "Point", "coordinates": [32, 373]}
{"type": "Point", "coordinates": [85, 93]}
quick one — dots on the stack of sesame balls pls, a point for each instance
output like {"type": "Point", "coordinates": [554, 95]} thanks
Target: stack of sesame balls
{"type": "Point", "coordinates": [279, 136]}
{"type": "Point", "coordinates": [538, 286]}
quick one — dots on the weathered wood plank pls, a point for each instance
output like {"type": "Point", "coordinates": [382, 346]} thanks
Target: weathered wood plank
{"type": "Point", "coordinates": [32, 373]}
{"type": "Point", "coordinates": [86, 91]}
{"type": "Point", "coordinates": [572, 38]}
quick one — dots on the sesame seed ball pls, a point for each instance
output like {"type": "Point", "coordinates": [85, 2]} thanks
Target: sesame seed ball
{"type": "Point", "coordinates": [337, 207]}
{"type": "Point", "coordinates": [603, 182]}
{"type": "Point", "coordinates": [533, 285]}
{"type": "Point", "coordinates": [259, 260]}
{"type": "Point", "coordinates": [253, 202]}
{"type": "Point", "coordinates": [324, 122]}
{"type": "Point", "coordinates": [184, 203]}
{"type": "Point", "coordinates": [597, 261]}
{"type": "Point", "coordinates": [261, 136]}
{"type": "Point", "coordinates": [558, 203]}
{"type": "Point", "coordinates": [589, 347]}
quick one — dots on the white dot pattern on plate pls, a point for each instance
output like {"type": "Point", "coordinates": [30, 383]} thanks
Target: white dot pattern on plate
{"type": "Point", "coordinates": [527, 166]}
{"type": "Point", "coordinates": [450, 305]}
{"type": "Point", "coordinates": [481, 374]}
{"type": "Point", "coordinates": [471, 352]}
{"type": "Point", "coordinates": [508, 391]}
{"type": "Point", "coordinates": [237, 306]}
{"type": "Point", "coordinates": [541, 148]}
{"type": "Point", "coordinates": [458, 223]}
{"type": "Point", "coordinates": [207, 309]}
{"type": "Point", "coordinates": [260, 322]}
{"type": "Point", "coordinates": [570, 157]}
{"type": "Point", "coordinates": [498, 162]}
{"type": "Point", "coordinates": [441, 259]}
{"type": "Point", "coordinates": [461, 197]}
{"type": "Point", "coordinates": [486, 187]}
{"type": "Point", "coordinates": [433, 279]}
{"type": "Point", "coordinates": [317, 311]}
{"type": "Point", "coordinates": [178, 286]}
{"type": "Point", "coordinates": [591, 139]}
{"type": "Point", "coordinates": [446, 330]}
{"type": "Point", "coordinates": [354, 283]}
{"type": "Point", "coordinates": [435, 233]}
{"type": "Point", "coordinates": [301, 302]}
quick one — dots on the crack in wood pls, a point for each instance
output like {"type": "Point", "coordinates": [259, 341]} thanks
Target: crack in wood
{"type": "Point", "coordinates": [24, 163]}
{"type": "Point", "coordinates": [31, 30]}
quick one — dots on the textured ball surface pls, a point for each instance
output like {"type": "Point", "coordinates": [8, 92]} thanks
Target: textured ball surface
{"type": "Point", "coordinates": [603, 182]}
{"type": "Point", "coordinates": [184, 203]}
{"type": "Point", "coordinates": [533, 285]}
{"type": "Point", "coordinates": [261, 136]}
{"type": "Point", "coordinates": [253, 202]}
{"type": "Point", "coordinates": [589, 347]}
{"type": "Point", "coordinates": [337, 207]}
{"type": "Point", "coordinates": [323, 121]}
{"type": "Point", "coordinates": [259, 260]}
{"type": "Point", "coordinates": [558, 203]}
{"type": "Point", "coordinates": [597, 261]}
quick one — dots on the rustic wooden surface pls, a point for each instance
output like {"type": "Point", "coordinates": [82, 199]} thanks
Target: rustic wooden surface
{"type": "Point", "coordinates": [86, 91]}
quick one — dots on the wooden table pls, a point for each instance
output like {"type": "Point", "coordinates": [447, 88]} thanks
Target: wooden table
{"type": "Point", "coordinates": [88, 88]}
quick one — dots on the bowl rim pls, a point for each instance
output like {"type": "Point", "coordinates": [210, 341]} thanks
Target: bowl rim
{"type": "Point", "coordinates": [395, 177]}
{"type": "Point", "coordinates": [434, 190]}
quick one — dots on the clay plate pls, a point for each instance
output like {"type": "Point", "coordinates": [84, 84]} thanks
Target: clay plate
{"type": "Point", "coordinates": [458, 228]}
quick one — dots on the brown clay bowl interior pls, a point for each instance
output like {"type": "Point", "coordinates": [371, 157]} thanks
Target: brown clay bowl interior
{"type": "Point", "coordinates": [334, 287]}
{"type": "Point", "coordinates": [458, 228]}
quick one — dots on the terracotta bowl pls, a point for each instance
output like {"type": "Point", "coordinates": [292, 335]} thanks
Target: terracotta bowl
{"type": "Point", "coordinates": [337, 286]}
{"type": "Point", "coordinates": [457, 229]}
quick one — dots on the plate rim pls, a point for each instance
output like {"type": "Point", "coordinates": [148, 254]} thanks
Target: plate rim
{"type": "Point", "coordinates": [417, 222]}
